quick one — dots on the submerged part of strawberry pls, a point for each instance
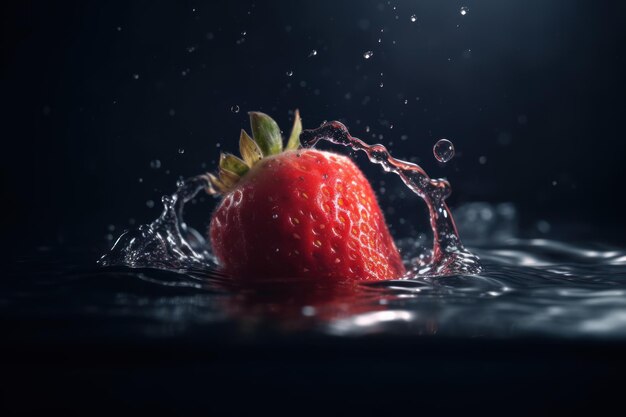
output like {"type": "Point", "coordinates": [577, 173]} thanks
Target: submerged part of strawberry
{"type": "Point", "coordinates": [299, 214]}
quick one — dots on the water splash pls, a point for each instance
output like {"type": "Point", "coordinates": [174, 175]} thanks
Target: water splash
{"type": "Point", "coordinates": [167, 242]}
{"type": "Point", "coordinates": [449, 256]}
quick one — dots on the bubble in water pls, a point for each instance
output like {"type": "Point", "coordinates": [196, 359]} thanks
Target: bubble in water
{"type": "Point", "coordinates": [443, 150]}
{"type": "Point", "coordinates": [289, 73]}
{"type": "Point", "coordinates": [368, 54]}
{"type": "Point", "coordinates": [155, 164]}
{"type": "Point", "coordinates": [235, 109]}
{"type": "Point", "coordinates": [464, 10]}
{"type": "Point", "coordinates": [413, 18]}
{"type": "Point", "coordinates": [313, 53]}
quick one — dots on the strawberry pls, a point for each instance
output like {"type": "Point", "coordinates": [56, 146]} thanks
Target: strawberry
{"type": "Point", "coordinates": [297, 213]}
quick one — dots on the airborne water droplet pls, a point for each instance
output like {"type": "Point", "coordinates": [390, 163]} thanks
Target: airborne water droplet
{"type": "Point", "coordinates": [155, 164]}
{"type": "Point", "coordinates": [313, 53]}
{"type": "Point", "coordinates": [464, 10]}
{"type": "Point", "coordinates": [181, 151]}
{"type": "Point", "coordinates": [235, 109]}
{"type": "Point", "coordinates": [368, 54]}
{"type": "Point", "coordinates": [443, 150]}
{"type": "Point", "coordinates": [413, 18]}
{"type": "Point", "coordinates": [289, 73]}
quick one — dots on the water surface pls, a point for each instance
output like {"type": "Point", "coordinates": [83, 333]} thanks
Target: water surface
{"type": "Point", "coordinates": [528, 288]}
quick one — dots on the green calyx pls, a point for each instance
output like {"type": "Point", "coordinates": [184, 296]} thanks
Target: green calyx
{"type": "Point", "coordinates": [266, 141]}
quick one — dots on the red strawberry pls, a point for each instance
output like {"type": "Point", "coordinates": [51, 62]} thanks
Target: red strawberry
{"type": "Point", "coordinates": [298, 213]}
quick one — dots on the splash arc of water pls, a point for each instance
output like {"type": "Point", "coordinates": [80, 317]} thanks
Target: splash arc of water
{"type": "Point", "coordinates": [449, 256]}
{"type": "Point", "coordinates": [167, 242]}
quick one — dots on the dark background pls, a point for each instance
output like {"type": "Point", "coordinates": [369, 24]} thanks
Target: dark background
{"type": "Point", "coordinates": [92, 92]}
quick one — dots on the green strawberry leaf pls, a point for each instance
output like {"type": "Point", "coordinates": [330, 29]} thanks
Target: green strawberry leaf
{"type": "Point", "coordinates": [266, 133]}
{"type": "Point", "coordinates": [233, 164]}
{"type": "Point", "coordinates": [250, 151]}
{"type": "Point", "coordinates": [294, 138]}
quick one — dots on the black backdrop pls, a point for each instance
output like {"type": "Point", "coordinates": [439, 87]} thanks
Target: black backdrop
{"type": "Point", "coordinates": [92, 92]}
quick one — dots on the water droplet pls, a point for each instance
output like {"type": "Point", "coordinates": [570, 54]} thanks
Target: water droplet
{"type": "Point", "coordinates": [235, 109]}
{"type": "Point", "coordinates": [543, 226]}
{"type": "Point", "coordinates": [368, 54]}
{"type": "Point", "coordinates": [289, 73]}
{"type": "Point", "coordinates": [313, 53]}
{"type": "Point", "coordinates": [308, 311]}
{"type": "Point", "coordinates": [381, 85]}
{"type": "Point", "coordinates": [464, 10]}
{"type": "Point", "coordinates": [150, 203]}
{"type": "Point", "coordinates": [181, 151]}
{"type": "Point", "coordinates": [482, 160]}
{"type": "Point", "coordinates": [140, 180]}
{"type": "Point", "coordinates": [443, 150]}
{"type": "Point", "coordinates": [380, 40]}
{"type": "Point", "coordinates": [136, 76]}
{"type": "Point", "coordinates": [406, 101]}
{"type": "Point", "coordinates": [274, 216]}
{"type": "Point", "coordinates": [155, 164]}
{"type": "Point", "coordinates": [367, 129]}
{"type": "Point", "coordinates": [413, 18]}
{"type": "Point", "coordinates": [119, 28]}
{"type": "Point", "coordinates": [244, 33]}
